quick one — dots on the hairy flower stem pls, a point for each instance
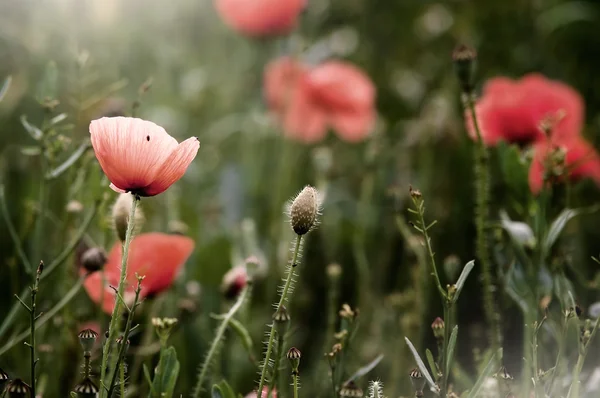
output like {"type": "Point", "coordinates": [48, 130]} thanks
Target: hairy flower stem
{"type": "Point", "coordinates": [282, 299]}
{"type": "Point", "coordinates": [116, 314]}
{"type": "Point", "coordinates": [32, 319]}
{"type": "Point", "coordinates": [482, 194]}
{"type": "Point", "coordinates": [214, 347]}
{"type": "Point", "coordinates": [295, 379]}
{"type": "Point", "coordinates": [125, 341]}
{"type": "Point", "coordinates": [446, 300]}
{"type": "Point", "coordinates": [277, 363]}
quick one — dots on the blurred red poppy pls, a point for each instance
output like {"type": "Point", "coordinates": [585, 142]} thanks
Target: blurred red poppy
{"type": "Point", "coordinates": [308, 101]}
{"type": "Point", "coordinates": [512, 110]}
{"type": "Point", "coordinates": [157, 256]}
{"type": "Point", "coordinates": [260, 17]}
{"type": "Point", "coordinates": [581, 160]}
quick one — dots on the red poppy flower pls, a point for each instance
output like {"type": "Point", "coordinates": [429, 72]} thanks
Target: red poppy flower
{"type": "Point", "coordinates": [157, 256]}
{"type": "Point", "coordinates": [512, 111]}
{"type": "Point", "coordinates": [260, 17]}
{"type": "Point", "coordinates": [308, 101]}
{"type": "Point", "coordinates": [580, 161]}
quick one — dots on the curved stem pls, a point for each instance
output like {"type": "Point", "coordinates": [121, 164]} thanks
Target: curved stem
{"type": "Point", "coordinates": [283, 297]}
{"type": "Point", "coordinates": [214, 347]}
{"type": "Point", "coordinates": [116, 314]}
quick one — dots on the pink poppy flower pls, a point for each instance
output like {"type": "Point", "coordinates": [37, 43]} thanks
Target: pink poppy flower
{"type": "Point", "coordinates": [309, 101]}
{"type": "Point", "coordinates": [512, 110]}
{"type": "Point", "coordinates": [581, 161]}
{"type": "Point", "coordinates": [139, 156]}
{"type": "Point", "coordinates": [260, 17]}
{"type": "Point", "coordinates": [265, 393]}
{"type": "Point", "coordinates": [157, 256]}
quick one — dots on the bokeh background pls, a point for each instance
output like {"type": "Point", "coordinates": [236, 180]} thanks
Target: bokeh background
{"type": "Point", "coordinates": [206, 80]}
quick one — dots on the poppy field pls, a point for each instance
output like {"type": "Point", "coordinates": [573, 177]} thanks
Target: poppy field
{"type": "Point", "coordinates": [299, 198]}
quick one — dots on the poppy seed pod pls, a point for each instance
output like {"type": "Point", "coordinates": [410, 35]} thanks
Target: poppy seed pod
{"type": "Point", "coordinates": [87, 338]}
{"type": "Point", "coordinates": [304, 210]}
{"type": "Point", "coordinates": [86, 389]}
{"type": "Point", "coordinates": [93, 259]}
{"type": "Point", "coordinates": [120, 216]}
{"type": "Point", "coordinates": [18, 389]}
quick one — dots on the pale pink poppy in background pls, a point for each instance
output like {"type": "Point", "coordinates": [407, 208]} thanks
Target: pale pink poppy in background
{"type": "Point", "coordinates": [309, 101]}
{"type": "Point", "coordinates": [139, 156]}
{"type": "Point", "coordinates": [348, 97]}
{"type": "Point", "coordinates": [260, 17]}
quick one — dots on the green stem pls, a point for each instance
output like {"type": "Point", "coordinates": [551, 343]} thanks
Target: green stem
{"type": "Point", "coordinates": [575, 383]}
{"type": "Point", "coordinates": [214, 347]}
{"type": "Point", "coordinates": [87, 356]}
{"type": "Point", "coordinates": [277, 363]}
{"type": "Point", "coordinates": [39, 225]}
{"type": "Point", "coordinates": [482, 178]}
{"type": "Point", "coordinates": [282, 299]}
{"type": "Point", "coordinates": [358, 240]}
{"type": "Point", "coordinates": [122, 367]}
{"type": "Point", "coordinates": [423, 228]}
{"type": "Point", "coordinates": [125, 339]}
{"type": "Point", "coordinates": [33, 360]}
{"type": "Point", "coordinates": [116, 314]}
{"type": "Point", "coordinates": [447, 329]}
{"type": "Point", "coordinates": [295, 377]}
{"type": "Point", "coordinates": [559, 355]}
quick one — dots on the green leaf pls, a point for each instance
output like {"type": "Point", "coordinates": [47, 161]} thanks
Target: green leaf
{"type": "Point", "coordinates": [487, 371]}
{"type": "Point", "coordinates": [225, 390]}
{"type": "Point", "coordinates": [216, 392]}
{"type": "Point", "coordinates": [243, 334]}
{"type": "Point", "coordinates": [365, 369]}
{"type": "Point", "coordinates": [166, 374]}
{"type": "Point", "coordinates": [5, 87]}
{"type": "Point", "coordinates": [58, 118]}
{"type": "Point", "coordinates": [559, 224]}
{"type": "Point", "coordinates": [69, 162]}
{"type": "Point", "coordinates": [557, 227]}
{"type": "Point", "coordinates": [431, 361]}
{"type": "Point", "coordinates": [463, 278]}
{"type": "Point", "coordinates": [149, 380]}
{"type": "Point", "coordinates": [33, 131]}
{"type": "Point", "coordinates": [421, 365]}
{"type": "Point", "coordinates": [451, 347]}
{"type": "Point", "coordinates": [31, 150]}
